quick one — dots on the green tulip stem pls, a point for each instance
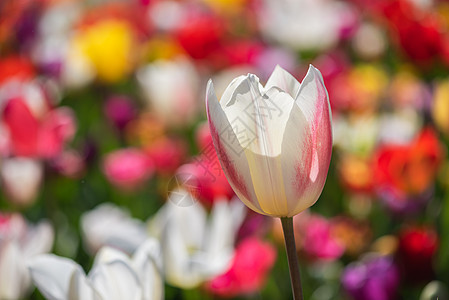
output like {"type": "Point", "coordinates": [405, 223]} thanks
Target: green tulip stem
{"type": "Point", "coordinates": [293, 264]}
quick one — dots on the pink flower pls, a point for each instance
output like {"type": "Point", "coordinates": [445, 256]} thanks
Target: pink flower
{"type": "Point", "coordinates": [34, 128]}
{"type": "Point", "coordinates": [205, 179]}
{"type": "Point", "coordinates": [127, 168]}
{"type": "Point", "coordinates": [167, 154]}
{"type": "Point", "coordinates": [318, 241]}
{"type": "Point", "coordinates": [120, 110]}
{"type": "Point", "coordinates": [252, 261]}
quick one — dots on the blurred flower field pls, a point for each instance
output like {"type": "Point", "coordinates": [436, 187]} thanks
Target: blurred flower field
{"type": "Point", "coordinates": [110, 186]}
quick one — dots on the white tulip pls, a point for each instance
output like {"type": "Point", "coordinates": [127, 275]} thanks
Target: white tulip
{"type": "Point", "coordinates": [114, 276]}
{"type": "Point", "coordinates": [274, 143]}
{"type": "Point", "coordinates": [109, 225]}
{"type": "Point", "coordinates": [196, 247]}
{"type": "Point", "coordinates": [20, 242]}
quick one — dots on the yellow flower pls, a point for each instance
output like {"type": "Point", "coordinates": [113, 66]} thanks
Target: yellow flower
{"type": "Point", "coordinates": [108, 45]}
{"type": "Point", "coordinates": [441, 106]}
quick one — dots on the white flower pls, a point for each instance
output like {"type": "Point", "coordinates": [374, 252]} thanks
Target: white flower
{"type": "Point", "coordinates": [196, 247]}
{"type": "Point", "coordinates": [303, 24]}
{"type": "Point", "coordinates": [109, 225]}
{"type": "Point", "coordinates": [274, 143]}
{"type": "Point", "coordinates": [114, 276]}
{"type": "Point", "coordinates": [20, 242]}
{"type": "Point", "coordinates": [21, 179]}
{"type": "Point", "coordinates": [170, 89]}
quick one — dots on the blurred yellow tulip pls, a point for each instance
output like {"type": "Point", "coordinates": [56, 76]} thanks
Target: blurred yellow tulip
{"type": "Point", "coordinates": [108, 45]}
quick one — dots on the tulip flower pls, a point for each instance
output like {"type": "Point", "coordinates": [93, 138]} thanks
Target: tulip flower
{"type": "Point", "coordinates": [196, 247]}
{"type": "Point", "coordinates": [114, 275]}
{"type": "Point", "coordinates": [110, 225]}
{"type": "Point", "coordinates": [20, 242]}
{"type": "Point", "coordinates": [127, 168]}
{"type": "Point", "coordinates": [374, 277]}
{"type": "Point", "coordinates": [251, 264]}
{"type": "Point", "coordinates": [21, 178]}
{"type": "Point", "coordinates": [157, 80]}
{"type": "Point", "coordinates": [274, 144]}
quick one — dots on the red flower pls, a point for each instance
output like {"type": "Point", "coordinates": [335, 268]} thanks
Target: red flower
{"type": "Point", "coordinates": [167, 154]}
{"type": "Point", "coordinates": [15, 67]}
{"type": "Point", "coordinates": [417, 32]}
{"type": "Point", "coordinates": [34, 128]}
{"type": "Point", "coordinates": [252, 261]}
{"type": "Point", "coordinates": [200, 34]}
{"type": "Point", "coordinates": [417, 247]}
{"type": "Point", "coordinates": [411, 168]}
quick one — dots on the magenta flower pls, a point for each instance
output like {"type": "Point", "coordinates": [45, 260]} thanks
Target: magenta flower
{"type": "Point", "coordinates": [250, 267]}
{"type": "Point", "coordinates": [127, 168]}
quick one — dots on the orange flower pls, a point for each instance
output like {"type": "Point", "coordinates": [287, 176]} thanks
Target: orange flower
{"type": "Point", "coordinates": [410, 168]}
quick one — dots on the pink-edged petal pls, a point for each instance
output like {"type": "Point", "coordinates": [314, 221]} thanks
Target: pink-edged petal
{"type": "Point", "coordinates": [296, 161]}
{"type": "Point", "coordinates": [282, 79]}
{"type": "Point", "coordinates": [229, 150]}
{"type": "Point", "coordinates": [313, 101]}
{"type": "Point", "coordinates": [53, 275]}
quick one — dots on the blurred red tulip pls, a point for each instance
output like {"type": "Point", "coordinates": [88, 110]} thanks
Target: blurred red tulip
{"type": "Point", "coordinates": [16, 68]}
{"type": "Point", "coordinates": [200, 34]}
{"type": "Point", "coordinates": [417, 247]}
{"type": "Point", "coordinates": [167, 154]}
{"type": "Point", "coordinates": [410, 168]}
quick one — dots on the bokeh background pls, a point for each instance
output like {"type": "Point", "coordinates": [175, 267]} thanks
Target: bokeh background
{"type": "Point", "coordinates": [102, 121]}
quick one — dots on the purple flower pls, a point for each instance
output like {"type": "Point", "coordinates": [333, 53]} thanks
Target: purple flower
{"type": "Point", "coordinates": [120, 110]}
{"type": "Point", "coordinates": [372, 278]}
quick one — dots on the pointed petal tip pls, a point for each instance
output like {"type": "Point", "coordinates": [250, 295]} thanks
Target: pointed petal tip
{"type": "Point", "coordinates": [210, 91]}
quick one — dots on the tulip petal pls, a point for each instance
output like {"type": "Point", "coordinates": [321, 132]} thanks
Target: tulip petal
{"type": "Point", "coordinates": [80, 289]}
{"type": "Point", "coordinates": [296, 152]}
{"type": "Point", "coordinates": [228, 94]}
{"type": "Point", "coordinates": [284, 80]}
{"type": "Point", "coordinates": [313, 101]}
{"type": "Point", "coordinates": [147, 262]}
{"type": "Point", "coordinates": [230, 151]}
{"type": "Point", "coordinates": [115, 281]}
{"type": "Point", "coordinates": [108, 254]}
{"type": "Point", "coordinates": [14, 276]}
{"type": "Point", "coordinates": [52, 275]}
{"type": "Point", "coordinates": [40, 240]}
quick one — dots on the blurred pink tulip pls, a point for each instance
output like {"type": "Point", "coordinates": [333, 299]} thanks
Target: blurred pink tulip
{"type": "Point", "coordinates": [167, 154]}
{"type": "Point", "coordinates": [127, 168]}
{"type": "Point", "coordinates": [318, 241]}
{"type": "Point", "coordinates": [34, 128]}
{"type": "Point", "coordinates": [253, 259]}
{"type": "Point", "coordinates": [274, 142]}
